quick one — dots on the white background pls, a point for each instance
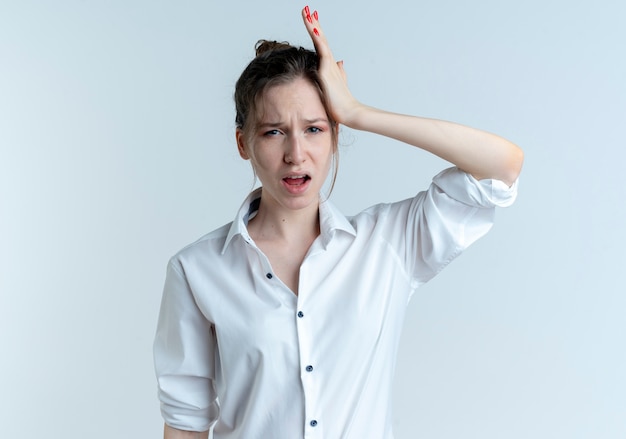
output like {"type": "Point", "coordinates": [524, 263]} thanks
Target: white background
{"type": "Point", "coordinates": [117, 149]}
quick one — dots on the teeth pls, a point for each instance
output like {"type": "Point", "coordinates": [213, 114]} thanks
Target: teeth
{"type": "Point", "coordinates": [297, 176]}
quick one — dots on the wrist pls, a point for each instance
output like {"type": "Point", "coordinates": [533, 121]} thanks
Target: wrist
{"type": "Point", "coordinates": [354, 116]}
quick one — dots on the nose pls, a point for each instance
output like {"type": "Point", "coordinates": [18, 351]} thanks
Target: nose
{"type": "Point", "coordinates": [294, 150]}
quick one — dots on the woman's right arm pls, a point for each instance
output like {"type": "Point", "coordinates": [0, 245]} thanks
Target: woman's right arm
{"type": "Point", "coordinates": [184, 358]}
{"type": "Point", "coordinates": [173, 433]}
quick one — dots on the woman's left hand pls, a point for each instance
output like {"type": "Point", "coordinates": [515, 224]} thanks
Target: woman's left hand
{"type": "Point", "coordinates": [341, 104]}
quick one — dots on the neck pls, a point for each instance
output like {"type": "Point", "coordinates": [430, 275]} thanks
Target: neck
{"type": "Point", "coordinates": [272, 223]}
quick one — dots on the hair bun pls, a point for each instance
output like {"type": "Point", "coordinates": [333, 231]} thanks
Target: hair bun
{"type": "Point", "coordinates": [263, 46]}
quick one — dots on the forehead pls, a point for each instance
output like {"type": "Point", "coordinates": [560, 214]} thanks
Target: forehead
{"type": "Point", "coordinates": [298, 97]}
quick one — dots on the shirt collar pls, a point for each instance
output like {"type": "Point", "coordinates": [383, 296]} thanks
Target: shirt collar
{"type": "Point", "coordinates": [331, 220]}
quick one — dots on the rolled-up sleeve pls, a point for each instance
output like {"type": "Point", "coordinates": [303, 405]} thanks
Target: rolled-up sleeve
{"type": "Point", "coordinates": [184, 357]}
{"type": "Point", "coordinates": [462, 187]}
{"type": "Point", "coordinates": [453, 213]}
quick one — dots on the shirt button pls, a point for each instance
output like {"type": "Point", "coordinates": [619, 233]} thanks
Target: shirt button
{"type": "Point", "coordinates": [269, 275]}
{"type": "Point", "coordinates": [300, 314]}
{"type": "Point", "coordinates": [309, 368]}
{"type": "Point", "coordinates": [313, 423]}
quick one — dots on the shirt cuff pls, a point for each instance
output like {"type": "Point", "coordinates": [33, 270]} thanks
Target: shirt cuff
{"type": "Point", "coordinates": [197, 413]}
{"type": "Point", "coordinates": [464, 188]}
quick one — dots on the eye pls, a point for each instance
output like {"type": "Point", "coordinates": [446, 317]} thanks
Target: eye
{"type": "Point", "coordinates": [271, 133]}
{"type": "Point", "coordinates": [314, 130]}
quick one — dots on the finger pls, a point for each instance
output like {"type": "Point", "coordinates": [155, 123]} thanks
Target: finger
{"type": "Point", "coordinates": [341, 69]}
{"type": "Point", "coordinates": [312, 24]}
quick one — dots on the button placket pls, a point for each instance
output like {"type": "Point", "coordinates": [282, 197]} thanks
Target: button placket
{"type": "Point", "coordinates": [310, 384]}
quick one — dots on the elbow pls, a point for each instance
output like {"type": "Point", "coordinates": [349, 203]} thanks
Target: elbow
{"type": "Point", "coordinates": [513, 167]}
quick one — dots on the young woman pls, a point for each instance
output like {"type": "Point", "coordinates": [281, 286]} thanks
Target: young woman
{"type": "Point", "coordinates": [285, 323]}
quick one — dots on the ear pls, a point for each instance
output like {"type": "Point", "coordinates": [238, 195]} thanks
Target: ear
{"type": "Point", "coordinates": [241, 144]}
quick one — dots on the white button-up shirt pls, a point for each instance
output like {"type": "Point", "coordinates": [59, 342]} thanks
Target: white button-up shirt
{"type": "Point", "coordinates": [236, 348]}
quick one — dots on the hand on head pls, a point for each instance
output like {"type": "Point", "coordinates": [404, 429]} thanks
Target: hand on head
{"type": "Point", "coordinates": [341, 103]}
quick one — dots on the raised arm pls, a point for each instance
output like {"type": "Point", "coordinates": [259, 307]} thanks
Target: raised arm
{"type": "Point", "coordinates": [482, 154]}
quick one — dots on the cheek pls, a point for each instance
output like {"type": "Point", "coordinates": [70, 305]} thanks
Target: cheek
{"type": "Point", "coordinates": [265, 158]}
{"type": "Point", "coordinates": [327, 160]}
{"type": "Point", "coordinates": [330, 152]}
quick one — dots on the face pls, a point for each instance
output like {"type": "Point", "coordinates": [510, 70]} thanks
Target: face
{"type": "Point", "coordinates": [292, 147]}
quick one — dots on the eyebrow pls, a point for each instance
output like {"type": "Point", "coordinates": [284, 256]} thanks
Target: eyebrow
{"type": "Point", "coordinates": [306, 121]}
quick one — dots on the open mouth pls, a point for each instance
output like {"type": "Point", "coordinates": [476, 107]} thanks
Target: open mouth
{"type": "Point", "coordinates": [296, 180]}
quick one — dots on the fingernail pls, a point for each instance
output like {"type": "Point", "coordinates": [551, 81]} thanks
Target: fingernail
{"type": "Point", "coordinates": [315, 16]}
{"type": "Point", "coordinates": [307, 10]}
{"type": "Point", "coordinates": [308, 18]}
{"type": "Point", "coordinates": [316, 32]}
